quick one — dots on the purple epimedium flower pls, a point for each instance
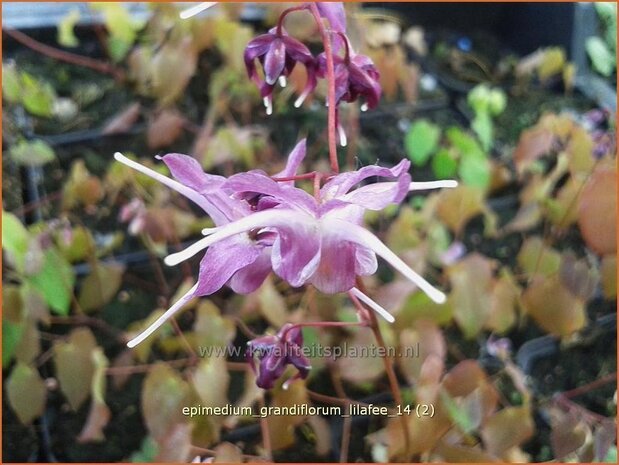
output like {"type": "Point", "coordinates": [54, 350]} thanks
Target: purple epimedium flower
{"type": "Point", "coordinates": [264, 225]}
{"type": "Point", "coordinates": [278, 54]}
{"type": "Point", "coordinates": [355, 77]}
{"type": "Point", "coordinates": [275, 353]}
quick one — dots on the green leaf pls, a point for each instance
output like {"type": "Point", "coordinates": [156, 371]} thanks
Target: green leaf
{"type": "Point", "coordinates": [26, 392]}
{"type": "Point", "coordinates": [475, 172]}
{"type": "Point", "coordinates": [552, 63]}
{"type": "Point", "coordinates": [421, 141]}
{"type": "Point", "coordinates": [474, 166]}
{"type": "Point", "coordinates": [81, 246]}
{"type": "Point", "coordinates": [464, 143]}
{"type": "Point", "coordinates": [164, 394]}
{"type": "Point", "coordinates": [100, 286]}
{"type": "Point", "coordinates": [76, 366]}
{"type": "Point", "coordinates": [611, 456]}
{"type": "Point", "coordinates": [117, 48]}
{"type": "Point", "coordinates": [478, 98]}
{"type": "Point", "coordinates": [11, 83]}
{"type": "Point", "coordinates": [121, 27]}
{"type": "Point", "coordinates": [471, 282]}
{"type": "Point", "coordinates": [37, 96]}
{"type": "Point", "coordinates": [457, 413]}
{"type": "Point", "coordinates": [483, 127]}
{"type": "Point", "coordinates": [55, 282]}
{"type": "Point", "coordinates": [11, 336]}
{"type": "Point", "coordinates": [497, 101]}
{"type": "Point", "coordinates": [66, 34]}
{"type": "Point", "coordinates": [602, 60]}
{"type": "Point", "coordinates": [536, 258]}
{"type": "Point", "coordinates": [15, 237]}
{"type": "Point", "coordinates": [444, 165]}
{"type": "Point", "coordinates": [147, 452]}
{"type": "Point", "coordinates": [32, 153]}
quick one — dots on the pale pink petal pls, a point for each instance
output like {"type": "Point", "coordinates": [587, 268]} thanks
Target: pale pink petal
{"type": "Point", "coordinates": [188, 192]}
{"type": "Point", "coordinates": [251, 277]}
{"type": "Point", "coordinates": [223, 259]}
{"type": "Point", "coordinates": [294, 161]}
{"type": "Point", "coordinates": [259, 183]}
{"type": "Point", "coordinates": [341, 184]}
{"type": "Point", "coordinates": [296, 251]}
{"type": "Point", "coordinates": [365, 238]}
{"type": "Point", "coordinates": [264, 219]}
{"type": "Point", "coordinates": [336, 271]}
{"type": "Point", "coordinates": [365, 261]}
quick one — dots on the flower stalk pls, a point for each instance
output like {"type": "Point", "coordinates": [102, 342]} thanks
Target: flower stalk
{"type": "Point", "coordinates": [331, 107]}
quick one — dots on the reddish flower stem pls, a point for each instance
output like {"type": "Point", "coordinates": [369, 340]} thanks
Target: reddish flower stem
{"type": "Point", "coordinates": [388, 362]}
{"type": "Point", "coordinates": [67, 57]}
{"type": "Point", "coordinates": [298, 177]}
{"type": "Point", "coordinates": [280, 22]}
{"type": "Point", "coordinates": [326, 40]}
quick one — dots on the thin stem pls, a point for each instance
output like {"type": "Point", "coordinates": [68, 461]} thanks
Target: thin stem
{"type": "Point", "coordinates": [590, 386]}
{"type": "Point", "coordinates": [280, 22]}
{"type": "Point", "coordinates": [266, 434]}
{"type": "Point", "coordinates": [67, 57]}
{"type": "Point", "coordinates": [345, 445]}
{"type": "Point", "coordinates": [326, 40]}
{"type": "Point", "coordinates": [346, 46]}
{"type": "Point", "coordinates": [330, 400]}
{"type": "Point", "coordinates": [317, 179]}
{"type": "Point", "coordinates": [393, 381]}
{"type": "Point", "coordinates": [298, 177]}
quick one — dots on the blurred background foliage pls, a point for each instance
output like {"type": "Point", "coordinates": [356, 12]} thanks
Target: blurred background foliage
{"type": "Point", "coordinates": [519, 364]}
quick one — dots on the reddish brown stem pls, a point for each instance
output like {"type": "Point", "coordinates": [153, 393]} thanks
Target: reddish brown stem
{"type": "Point", "coordinates": [391, 376]}
{"type": "Point", "coordinates": [67, 57]}
{"type": "Point", "coordinates": [298, 177]}
{"type": "Point", "coordinates": [590, 386]}
{"type": "Point", "coordinates": [266, 434]}
{"type": "Point", "coordinates": [280, 22]}
{"type": "Point", "coordinates": [326, 40]}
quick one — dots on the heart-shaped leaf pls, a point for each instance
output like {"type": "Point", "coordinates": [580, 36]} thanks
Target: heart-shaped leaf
{"type": "Point", "coordinates": [26, 393]}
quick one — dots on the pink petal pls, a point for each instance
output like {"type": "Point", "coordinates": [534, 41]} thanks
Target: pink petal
{"type": "Point", "coordinates": [251, 277]}
{"type": "Point", "coordinates": [336, 271]}
{"type": "Point", "coordinates": [342, 183]}
{"type": "Point", "coordinates": [274, 61]}
{"type": "Point", "coordinates": [334, 13]}
{"type": "Point", "coordinates": [188, 192]}
{"type": "Point", "coordinates": [219, 206]}
{"type": "Point", "coordinates": [297, 50]}
{"type": "Point", "coordinates": [188, 171]}
{"type": "Point", "coordinates": [224, 259]}
{"type": "Point", "coordinates": [294, 161]}
{"type": "Point", "coordinates": [259, 183]}
{"type": "Point", "coordinates": [365, 261]}
{"type": "Point", "coordinates": [296, 251]}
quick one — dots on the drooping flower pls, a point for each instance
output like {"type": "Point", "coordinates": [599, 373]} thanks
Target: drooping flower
{"type": "Point", "coordinates": [263, 224]}
{"type": "Point", "coordinates": [355, 76]}
{"type": "Point", "coordinates": [276, 353]}
{"type": "Point", "coordinates": [278, 54]}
